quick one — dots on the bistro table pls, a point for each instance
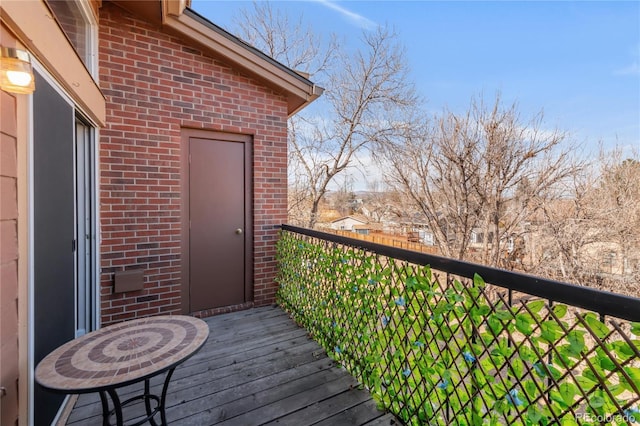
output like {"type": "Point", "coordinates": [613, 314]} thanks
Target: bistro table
{"type": "Point", "coordinates": [120, 355]}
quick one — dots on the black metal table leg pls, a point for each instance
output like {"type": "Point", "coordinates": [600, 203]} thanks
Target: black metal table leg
{"type": "Point", "coordinates": [105, 409]}
{"type": "Point", "coordinates": [117, 407]}
{"type": "Point", "coordinates": [146, 396]}
{"type": "Point", "coordinates": [147, 403]}
{"type": "Point", "coordinates": [163, 397]}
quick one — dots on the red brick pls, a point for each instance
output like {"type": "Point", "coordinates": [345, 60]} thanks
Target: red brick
{"type": "Point", "coordinates": [155, 86]}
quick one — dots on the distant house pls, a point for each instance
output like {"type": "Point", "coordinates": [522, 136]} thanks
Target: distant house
{"type": "Point", "coordinates": [477, 237]}
{"type": "Point", "coordinates": [147, 174]}
{"type": "Point", "coordinates": [353, 223]}
{"type": "Point", "coordinates": [417, 231]}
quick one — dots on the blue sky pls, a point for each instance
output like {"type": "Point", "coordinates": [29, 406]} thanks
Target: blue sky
{"type": "Point", "coordinates": [577, 61]}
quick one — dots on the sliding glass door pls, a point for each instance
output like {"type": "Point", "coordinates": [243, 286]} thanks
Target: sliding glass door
{"type": "Point", "coordinates": [64, 230]}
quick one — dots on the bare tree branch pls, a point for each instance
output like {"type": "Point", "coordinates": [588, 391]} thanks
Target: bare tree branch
{"type": "Point", "coordinates": [476, 174]}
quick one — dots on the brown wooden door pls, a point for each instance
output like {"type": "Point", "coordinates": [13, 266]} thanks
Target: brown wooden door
{"type": "Point", "coordinates": [218, 223]}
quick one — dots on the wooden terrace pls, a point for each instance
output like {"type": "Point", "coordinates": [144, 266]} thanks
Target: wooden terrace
{"type": "Point", "coordinates": [257, 368]}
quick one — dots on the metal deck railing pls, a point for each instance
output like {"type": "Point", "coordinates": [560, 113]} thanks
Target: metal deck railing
{"type": "Point", "coordinates": [441, 341]}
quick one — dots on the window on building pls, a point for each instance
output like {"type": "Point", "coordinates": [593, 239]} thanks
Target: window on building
{"type": "Point", "coordinates": [78, 23]}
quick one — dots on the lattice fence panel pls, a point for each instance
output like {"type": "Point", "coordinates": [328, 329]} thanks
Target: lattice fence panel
{"type": "Point", "coordinates": [435, 349]}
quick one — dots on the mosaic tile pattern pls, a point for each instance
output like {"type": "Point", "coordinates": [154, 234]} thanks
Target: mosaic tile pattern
{"type": "Point", "coordinates": [121, 353]}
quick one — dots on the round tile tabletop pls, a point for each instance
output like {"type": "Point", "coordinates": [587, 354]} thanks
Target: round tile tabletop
{"type": "Point", "coordinates": [122, 353]}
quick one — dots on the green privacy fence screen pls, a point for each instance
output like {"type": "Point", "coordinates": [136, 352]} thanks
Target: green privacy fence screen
{"type": "Point", "coordinates": [437, 348]}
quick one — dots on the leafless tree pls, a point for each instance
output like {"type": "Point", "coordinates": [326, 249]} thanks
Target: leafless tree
{"type": "Point", "coordinates": [296, 45]}
{"type": "Point", "coordinates": [382, 205]}
{"type": "Point", "coordinates": [362, 91]}
{"type": "Point", "coordinates": [618, 202]}
{"type": "Point", "coordinates": [563, 228]}
{"type": "Point", "coordinates": [291, 42]}
{"type": "Point", "coordinates": [591, 234]}
{"type": "Point", "coordinates": [421, 170]}
{"type": "Point", "coordinates": [477, 173]}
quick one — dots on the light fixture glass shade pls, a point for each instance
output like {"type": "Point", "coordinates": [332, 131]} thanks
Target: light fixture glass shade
{"type": "Point", "coordinates": [16, 75]}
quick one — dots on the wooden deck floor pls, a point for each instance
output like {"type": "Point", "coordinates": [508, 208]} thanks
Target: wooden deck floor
{"type": "Point", "coordinates": [257, 368]}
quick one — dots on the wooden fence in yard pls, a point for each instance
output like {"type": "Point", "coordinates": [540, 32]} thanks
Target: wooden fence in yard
{"type": "Point", "coordinates": [387, 240]}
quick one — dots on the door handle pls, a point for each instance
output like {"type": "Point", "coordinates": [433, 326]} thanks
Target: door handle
{"type": "Point", "coordinates": [239, 231]}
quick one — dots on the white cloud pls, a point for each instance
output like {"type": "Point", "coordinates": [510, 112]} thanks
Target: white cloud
{"type": "Point", "coordinates": [633, 69]}
{"type": "Point", "coordinates": [356, 19]}
{"type": "Point", "coordinates": [528, 133]}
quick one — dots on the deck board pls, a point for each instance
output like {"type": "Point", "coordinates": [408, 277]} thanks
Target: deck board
{"type": "Point", "coordinates": [258, 367]}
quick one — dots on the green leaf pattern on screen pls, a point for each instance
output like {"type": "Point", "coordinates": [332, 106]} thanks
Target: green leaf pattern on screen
{"type": "Point", "coordinates": [436, 350]}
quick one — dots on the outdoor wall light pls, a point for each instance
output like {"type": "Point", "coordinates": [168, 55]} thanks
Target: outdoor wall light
{"type": "Point", "coordinates": [16, 74]}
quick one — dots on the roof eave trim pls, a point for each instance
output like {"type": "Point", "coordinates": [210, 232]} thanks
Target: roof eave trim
{"type": "Point", "coordinates": [316, 92]}
{"type": "Point", "coordinates": [179, 18]}
{"type": "Point", "coordinates": [252, 50]}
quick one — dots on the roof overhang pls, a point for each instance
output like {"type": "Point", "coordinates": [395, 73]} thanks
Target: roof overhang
{"type": "Point", "coordinates": [177, 18]}
{"type": "Point", "coordinates": [32, 24]}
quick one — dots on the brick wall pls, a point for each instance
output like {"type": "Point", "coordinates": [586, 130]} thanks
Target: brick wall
{"type": "Point", "coordinates": [155, 85]}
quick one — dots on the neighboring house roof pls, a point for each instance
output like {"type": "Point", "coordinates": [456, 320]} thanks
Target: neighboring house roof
{"type": "Point", "coordinates": [177, 18]}
{"type": "Point", "coordinates": [357, 218]}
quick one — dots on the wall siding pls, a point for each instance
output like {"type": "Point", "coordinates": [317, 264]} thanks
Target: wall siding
{"type": "Point", "coordinates": [156, 85]}
{"type": "Point", "coordinates": [9, 368]}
